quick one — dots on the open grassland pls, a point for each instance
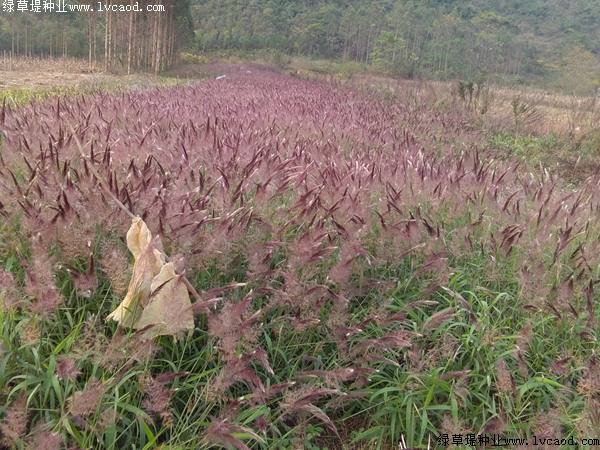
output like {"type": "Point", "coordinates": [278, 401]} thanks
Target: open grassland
{"type": "Point", "coordinates": [367, 274]}
{"type": "Point", "coordinates": [557, 131]}
{"type": "Point", "coordinates": [23, 80]}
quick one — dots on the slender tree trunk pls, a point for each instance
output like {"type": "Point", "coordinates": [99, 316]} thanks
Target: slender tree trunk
{"type": "Point", "coordinates": [130, 39]}
{"type": "Point", "coordinates": [90, 19]}
{"type": "Point", "coordinates": [106, 37]}
{"type": "Point", "coordinates": [95, 54]}
{"type": "Point", "coordinates": [114, 37]}
{"type": "Point", "coordinates": [156, 46]}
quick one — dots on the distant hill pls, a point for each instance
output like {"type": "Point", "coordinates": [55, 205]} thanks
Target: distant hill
{"type": "Point", "coordinates": [554, 44]}
{"type": "Point", "coordinates": [547, 42]}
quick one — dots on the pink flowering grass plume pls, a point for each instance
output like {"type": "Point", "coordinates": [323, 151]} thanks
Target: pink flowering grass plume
{"type": "Point", "coordinates": [46, 440]}
{"type": "Point", "coordinates": [158, 396]}
{"type": "Point", "coordinates": [13, 426]}
{"type": "Point", "coordinates": [224, 433]}
{"type": "Point", "coordinates": [86, 402]}
{"type": "Point", "coordinates": [299, 403]}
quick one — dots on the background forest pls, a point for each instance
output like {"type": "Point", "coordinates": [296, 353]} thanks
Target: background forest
{"type": "Point", "coordinates": [548, 43]}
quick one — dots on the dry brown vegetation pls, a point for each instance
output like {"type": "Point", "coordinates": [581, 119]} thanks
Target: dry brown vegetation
{"type": "Point", "coordinates": [36, 73]}
{"type": "Point", "coordinates": [493, 108]}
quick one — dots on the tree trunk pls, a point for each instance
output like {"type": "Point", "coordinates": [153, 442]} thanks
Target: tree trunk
{"type": "Point", "coordinates": [90, 19]}
{"type": "Point", "coordinates": [106, 39]}
{"type": "Point", "coordinates": [130, 39]}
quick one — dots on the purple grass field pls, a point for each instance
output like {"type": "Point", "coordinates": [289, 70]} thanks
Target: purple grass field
{"type": "Point", "coordinates": [364, 238]}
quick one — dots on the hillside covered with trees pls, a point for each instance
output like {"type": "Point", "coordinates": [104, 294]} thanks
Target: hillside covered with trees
{"type": "Point", "coordinates": [548, 43]}
{"type": "Point", "coordinates": [542, 41]}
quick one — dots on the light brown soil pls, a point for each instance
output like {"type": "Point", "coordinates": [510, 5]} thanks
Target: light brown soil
{"type": "Point", "coordinates": [38, 73]}
{"type": "Point", "coordinates": [19, 79]}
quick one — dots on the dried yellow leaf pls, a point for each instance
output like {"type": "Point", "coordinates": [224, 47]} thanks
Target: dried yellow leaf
{"type": "Point", "coordinates": [138, 237]}
{"type": "Point", "coordinates": [169, 310]}
{"type": "Point", "coordinates": [145, 268]}
{"type": "Point", "coordinates": [156, 297]}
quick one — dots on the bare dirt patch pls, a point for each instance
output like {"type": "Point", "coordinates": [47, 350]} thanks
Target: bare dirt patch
{"type": "Point", "coordinates": [18, 79]}
{"type": "Point", "coordinates": [36, 73]}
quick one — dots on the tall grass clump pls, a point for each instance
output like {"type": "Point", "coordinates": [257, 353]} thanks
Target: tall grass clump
{"type": "Point", "coordinates": [366, 275]}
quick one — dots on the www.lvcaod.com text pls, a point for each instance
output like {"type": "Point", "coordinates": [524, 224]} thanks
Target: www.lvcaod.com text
{"type": "Point", "coordinates": [62, 6]}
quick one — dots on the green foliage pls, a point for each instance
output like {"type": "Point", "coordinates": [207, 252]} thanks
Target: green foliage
{"type": "Point", "coordinates": [524, 114]}
{"type": "Point", "coordinates": [448, 40]}
{"type": "Point", "coordinates": [530, 147]}
{"type": "Point", "coordinates": [20, 96]}
{"type": "Point", "coordinates": [387, 53]}
{"type": "Point", "coordinates": [401, 402]}
{"type": "Point", "coordinates": [474, 94]}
